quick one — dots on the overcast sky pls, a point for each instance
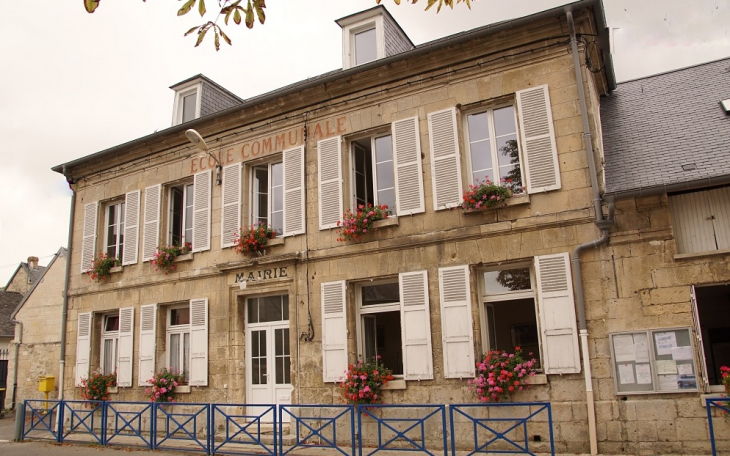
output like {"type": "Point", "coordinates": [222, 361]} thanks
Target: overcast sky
{"type": "Point", "coordinates": [73, 84]}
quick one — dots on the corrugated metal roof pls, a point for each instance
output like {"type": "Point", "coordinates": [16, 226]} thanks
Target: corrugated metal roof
{"type": "Point", "coordinates": [654, 126]}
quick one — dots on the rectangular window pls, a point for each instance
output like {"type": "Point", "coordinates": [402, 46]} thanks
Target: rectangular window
{"type": "Point", "coordinates": [178, 339]}
{"type": "Point", "coordinates": [494, 152]}
{"type": "Point", "coordinates": [380, 324]}
{"type": "Point", "coordinates": [115, 230]}
{"type": "Point", "coordinates": [189, 105]}
{"type": "Point", "coordinates": [365, 44]}
{"type": "Point", "coordinates": [268, 196]}
{"type": "Point", "coordinates": [372, 171]}
{"type": "Point", "coordinates": [180, 221]}
{"type": "Point", "coordinates": [110, 343]}
{"type": "Point", "coordinates": [509, 311]}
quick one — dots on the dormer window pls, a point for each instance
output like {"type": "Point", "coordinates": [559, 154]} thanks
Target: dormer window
{"type": "Point", "coordinates": [371, 35]}
{"type": "Point", "coordinates": [187, 103]}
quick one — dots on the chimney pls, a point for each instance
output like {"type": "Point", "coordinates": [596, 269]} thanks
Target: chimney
{"type": "Point", "coordinates": [33, 262]}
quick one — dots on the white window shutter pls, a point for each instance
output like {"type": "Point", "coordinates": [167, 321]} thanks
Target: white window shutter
{"type": "Point", "coordinates": [198, 342]}
{"type": "Point", "coordinates": [445, 163]}
{"type": "Point", "coordinates": [88, 244]}
{"type": "Point", "coordinates": [201, 211]}
{"type": "Point", "coordinates": [294, 204]}
{"type": "Point", "coordinates": [415, 325]}
{"type": "Point", "coordinates": [334, 331]}
{"type": "Point", "coordinates": [231, 206]}
{"type": "Point", "coordinates": [457, 332]}
{"type": "Point", "coordinates": [131, 228]}
{"type": "Point", "coordinates": [329, 160]}
{"type": "Point", "coordinates": [537, 136]}
{"type": "Point", "coordinates": [126, 344]}
{"type": "Point", "coordinates": [83, 347]}
{"type": "Point", "coordinates": [558, 328]}
{"type": "Point", "coordinates": [151, 221]}
{"type": "Point", "coordinates": [147, 343]}
{"type": "Point", "coordinates": [408, 168]}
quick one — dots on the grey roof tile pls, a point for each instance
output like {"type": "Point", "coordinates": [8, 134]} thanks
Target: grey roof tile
{"type": "Point", "coordinates": [654, 125]}
{"type": "Point", "coordinates": [8, 301]}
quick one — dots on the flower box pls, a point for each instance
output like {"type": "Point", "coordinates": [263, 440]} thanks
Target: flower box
{"type": "Point", "coordinates": [515, 200]}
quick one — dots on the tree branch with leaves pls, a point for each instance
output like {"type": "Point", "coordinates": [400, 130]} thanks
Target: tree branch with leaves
{"type": "Point", "coordinates": [248, 14]}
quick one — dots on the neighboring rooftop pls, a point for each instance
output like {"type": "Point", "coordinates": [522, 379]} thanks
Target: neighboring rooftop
{"type": "Point", "coordinates": [668, 131]}
{"type": "Point", "coordinates": [9, 300]}
{"type": "Point", "coordinates": [25, 276]}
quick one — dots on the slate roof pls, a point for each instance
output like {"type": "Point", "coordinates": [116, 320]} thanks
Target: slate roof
{"type": "Point", "coordinates": [9, 300]}
{"type": "Point", "coordinates": [654, 125]}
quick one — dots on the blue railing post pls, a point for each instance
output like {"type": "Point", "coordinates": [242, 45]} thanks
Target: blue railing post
{"type": "Point", "coordinates": [59, 424]}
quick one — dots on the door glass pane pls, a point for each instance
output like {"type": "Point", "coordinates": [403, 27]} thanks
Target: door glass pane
{"type": "Point", "coordinates": [180, 316]}
{"type": "Point", "coordinates": [283, 361]}
{"type": "Point", "coordinates": [380, 294]}
{"type": "Point", "coordinates": [497, 282]}
{"type": "Point", "coordinates": [253, 310]}
{"type": "Point", "coordinates": [258, 358]}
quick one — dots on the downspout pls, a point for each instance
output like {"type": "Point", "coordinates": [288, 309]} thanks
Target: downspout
{"type": "Point", "coordinates": [15, 362]}
{"type": "Point", "coordinates": [64, 312]}
{"type": "Point", "coordinates": [603, 225]}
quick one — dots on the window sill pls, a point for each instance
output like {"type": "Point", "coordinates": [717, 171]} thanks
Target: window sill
{"type": "Point", "coordinates": [274, 242]}
{"type": "Point", "coordinates": [390, 221]}
{"type": "Point", "coordinates": [539, 379]}
{"type": "Point", "coordinates": [116, 269]}
{"type": "Point", "coordinates": [514, 201]}
{"type": "Point", "coordinates": [182, 389]}
{"type": "Point", "coordinates": [683, 256]}
{"type": "Point", "coordinates": [183, 257]}
{"type": "Point", "coordinates": [113, 390]}
{"type": "Point", "coordinates": [397, 384]}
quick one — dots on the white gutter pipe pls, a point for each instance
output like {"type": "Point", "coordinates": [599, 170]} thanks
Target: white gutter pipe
{"type": "Point", "coordinates": [602, 224]}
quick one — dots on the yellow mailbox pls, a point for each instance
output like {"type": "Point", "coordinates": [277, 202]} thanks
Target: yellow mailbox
{"type": "Point", "coordinates": [46, 383]}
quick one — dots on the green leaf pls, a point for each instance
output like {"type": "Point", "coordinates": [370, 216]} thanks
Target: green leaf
{"type": "Point", "coordinates": [186, 8]}
{"type": "Point", "coordinates": [201, 35]}
{"type": "Point", "coordinates": [201, 7]}
{"type": "Point", "coordinates": [191, 30]}
{"type": "Point", "coordinates": [225, 38]}
{"type": "Point", "coordinates": [237, 16]}
{"type": "Point", "coordinates": [260, 13]}
{"type": "Point", "coordinates": [249, 15]}
{"type": "Point", "coordinates": [217, 41]}
{"type": "Point", "coordinates": [431, 3]}
{"type": "Point", "coordinates": [91, 5]}
{"type": "Point", "coordinates": [227, 12]}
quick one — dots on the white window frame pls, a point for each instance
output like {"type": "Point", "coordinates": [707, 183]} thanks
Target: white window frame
{"type": "Point", "coordinates": [348, 34]}
{"type": "Point", "coordinates": [181, 92]}
{"type": "Point", "coordinates": [485, 300]}
{"type": "Point", "coordinates": [375, 190]}
{"type": "Point", "coordinates": [119, 211]}
{"type": "Point", "coordinates": [362, 311]}
{"type": "Point", "coordinates": [182, 186]}
{"type": "Point", "coordinates": [253, 193]}
{"type": "Point", "coordinates": [181, 330]}
{"type": "Point", "coordinates": [492, 141]}
{"type": "Point", "coordinates": [112, 336]}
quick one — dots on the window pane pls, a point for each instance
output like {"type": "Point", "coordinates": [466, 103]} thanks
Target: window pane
{"type": "Point", "coordinates": [175, 351]}
{"type": "Point", "coordinates": [277, 198]}
{"type": "Point", "coordinates": [109, 357]}
{"type": "Point", "coordinates": [384, 171]}
{"type": "Point", "coordinates": [180, 316]}
{"type": "Point", "coordinates": [481, 160]}
{"type": "Point", "coordinates": [504, 121]}
{"type": "Point", "coordinates": [270, 309]}
{"type": "Point", "coordinates": [188, 235]}
{"type": "Point", "coordinates": [186, 354]}
{"type": "Point", "coordinates": [380, 294]}
{"type": "Point", "coordinates": [253, 310]}
{"type": "Point", "coordinates": [365, 47]}
{"type": "Point", "coordinates": [496, 282]}
{"type": "Point", "coordinates": [176, 216]}
{"type": "Point", "coordinates": [281, 337]}
{"type": "Point", "coordinates": [388, 340]}
{"type": "Point", "coordinates": [362, 156]}
{"type": "Point", "coordinates": [112, 231]}
{"type": "Point", "coordinates": [261, 195]}
{"type": "Point", "coordinates": [369, 336]}
{"type": "Point", "coordinates": [111, 323]}
{"type": "Point", "coordinates": [189, 102]}
{"type": "Point", "coordinates": [514, 324]}
{"type": "Point", "coordinates": [478, 126]}
{"type": "Point", "coordinates": [507, 150]}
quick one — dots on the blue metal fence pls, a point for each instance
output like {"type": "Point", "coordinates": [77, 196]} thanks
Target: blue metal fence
{"type": "Point", "coordinates": [243, 429]}
{"type": "Point", "coordinates": [722, 408]}
{"type": "Point", "coordinates": [501, 427]}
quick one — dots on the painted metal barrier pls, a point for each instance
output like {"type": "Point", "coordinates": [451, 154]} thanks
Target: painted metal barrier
{"type": "Point", "coordinates": [317, 426]}
{"type": "Point", "coordinates": [40, 419]}
{"type": "Point", "coordinates": [242, 432]}
{"type": "Point", "coordinates": [129, 424]}
{"type": "Point", "coordinates": [82, 422]}
{"type": "Point", "coordinates": [722, 406]}
{"type": "Point", "coordinates": [402, 428]}
{"type": "Point", "coordinates": [181, 427]}
{"type": "Point", "coordinates": [502, 427]}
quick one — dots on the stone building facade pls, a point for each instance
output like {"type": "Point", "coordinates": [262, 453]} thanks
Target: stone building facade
{"type": "Point", "coordinates": [432, 288]}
